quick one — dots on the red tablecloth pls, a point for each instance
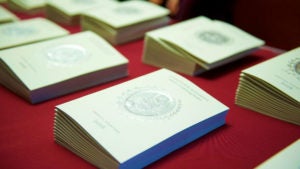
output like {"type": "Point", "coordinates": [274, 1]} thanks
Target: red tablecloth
{"type": "Point", "coordinates": [247, 139]}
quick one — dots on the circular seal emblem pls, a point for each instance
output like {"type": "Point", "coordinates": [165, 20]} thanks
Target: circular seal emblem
{"type": "Point", "coordinates": [294, 68]}
{"type": "Point", "coordinates": [213, 37]}
{"type": "Point", "coordinates": [66, 55]}
{"type": "Point", "coordinates": [16, 31]}
{"type": "Point", "coordinates": [297, 67]}
{"type": "Point", "coordinates": [126, 10]}
{"type": "Point", "coordinates": [149, 103]}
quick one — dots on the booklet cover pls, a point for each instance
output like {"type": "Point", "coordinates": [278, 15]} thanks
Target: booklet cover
{"type": "Point", "coordinates": [7, 16]}
{"type": "Point", "coordinates": [137, 122]}
{"type": "Point", "coordinates": [29, 31]}
{"type": "Point", "coordinates": [272, 87]}
{"type": "Point", "coordinates": [52, 68]}
{"type": "Point", "coordinates": [27, 6]}
{"type": "Point", "coordinates": [125, 21]}
{"type": "Point", "coordinates": [286, 158]}
{"type": "Point", "coordinates": [69, 11]}
{"type": "Point", "coordinates": [197, 45]}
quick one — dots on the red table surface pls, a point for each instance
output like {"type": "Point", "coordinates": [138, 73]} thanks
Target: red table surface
{"type": "Point", "coordinates": [247, 139]}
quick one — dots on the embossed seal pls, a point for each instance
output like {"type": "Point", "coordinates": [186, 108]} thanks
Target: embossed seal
{"type": "Point", "coordinates": [294, 67]}
{"type": "Point", "coordinates": [127, 10]}
{"type": "Point", "coordinates": [66, 55]}
{"type": "Point", "coordinates": [213, 37]}
{"type": "Point", "coordinates": [149, 103]}
{"type": "Point", "coordinates": [297, 67]}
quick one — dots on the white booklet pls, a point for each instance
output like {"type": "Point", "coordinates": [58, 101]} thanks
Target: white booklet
{"type": "Point", "coordinates": [273, 87]}
{"type": "Point", "coordinates": [287, 158]}
{"type": "Point", "coordinates": [69, 11]}
{"type": "Point", "coordinates": [72, 7]}
{"type": "Point", "coordinates": [203, 41]}
{"type": "Point", "coordinates": [125, 21]}
{"type": "Point", "coordinates": [29, 31]}
{"type": "Point", "coordinates": [282, 72]}
{"type": "Point", "coordinates": [7, 16]}
{"type": "Point", "coordinates": [135, 123]}
{"type": "Point", "coordinates": [55, 67]}
{"type": "Point", "coordinates": [127, 13]}
{"type": "Point", "coordinates": [28, 6]}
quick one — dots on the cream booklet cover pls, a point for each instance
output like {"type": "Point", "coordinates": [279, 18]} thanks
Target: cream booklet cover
{"type": "Point", "coordinates": [202, 41]}
{"type": "Point", "coordinates": [137, 122]}
{"type": "Point", "coordinates": [72, 7]}
{"type": "Point", "coordinates": [282, 72]}
{"type": "Point", "coordinates": [125, 21]}
{"type": "Point", "coordinates": [52, 68]}
{"type": "Point", "coordinates": [69, 11]}
{"type": "Point", "coordinates": [28, 6]}
{"type": "Point", "coordinates": [7, 16]}
{"type": "Point", "coordinates": [29, 31]}
{"type": "Point", "coordinates": [287, 158]}
{"type": "Point", "coordinates": [128, 13]}
{"type": "Point", "coordinates": [273, 87]}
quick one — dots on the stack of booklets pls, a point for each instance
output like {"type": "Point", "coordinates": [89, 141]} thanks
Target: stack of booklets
{"type": "Point", "coordinates": [44, 70]}
{"type": "Point", "coordinates": [27, 6]}
{"type": "Point", "coordinates": [137, 122]}
{"type": "Point", "coordinates": [7, 16]}
{"type": "Point", "coordinates": [29, 31]}
{"type": "Point", "coordinates": [125, 21]}
{"type": "Point", "coordinates": [197, 45]}
{"type": "Point", "coordinates": [273, 87]}
{"type": "Point", "coordinates": [69, 11]}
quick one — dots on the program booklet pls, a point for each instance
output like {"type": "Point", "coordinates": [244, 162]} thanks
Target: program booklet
{"type": "Point", "coordinates": [7, 16]}
{"type": "Point", "coordinates": [125, 21]}
{"type": "Point", "coordinates": [27, 6]}
{"type": "Point", "coordinates": [197, 45]}
{"type": "Point", "coordinates": [48, 69]}
{"type": "Point", "coordinates": [137, 122]}
{"type": "Point", "coordinates": [286, 158]}
{"type": "Point", "coordinates": [29, 31]}
{"type": "Point", "coordinates": [69, 11]}
{"type": "Point", "coordinates": [273, 87]}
